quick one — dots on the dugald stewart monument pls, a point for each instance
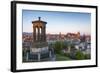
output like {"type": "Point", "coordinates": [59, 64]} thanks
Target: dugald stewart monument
{"type": "Point", "coordinates": [38, 49]}
{"type": "Point", "coordinates": [39, 33]}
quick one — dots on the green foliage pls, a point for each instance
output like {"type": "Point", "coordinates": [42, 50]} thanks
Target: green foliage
{"type": "Point", "coordinates": [79, 55]}
{"type": "Point", "coordinates": [87, 56]}
{"type": "Point", "coordinates": [59, 46]}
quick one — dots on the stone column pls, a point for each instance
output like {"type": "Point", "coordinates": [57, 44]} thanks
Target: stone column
{"type": "Point", "coordinates": [38, 34]}
{"type": "Point", "coordinates": [41, 34]}
{"type": "Point", "coordinates": [44, 34]}
{"type": "Point", "coordinates": [27, 56]}
{"type": "Point", "coordinates": [50, 55]}
{"type": "Point", "coordinates": [38, 56]}
{"type": "Point", "coordinates": [34, 34]}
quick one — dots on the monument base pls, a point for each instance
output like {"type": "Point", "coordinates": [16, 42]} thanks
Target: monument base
{"type": "Point", "coordinates": [39, 44]}
{"type": "Point", "coordinates": [39, 54]}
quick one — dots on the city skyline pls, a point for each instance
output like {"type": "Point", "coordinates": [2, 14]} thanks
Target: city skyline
{"type": "Point", "coordinates": [57, 22]}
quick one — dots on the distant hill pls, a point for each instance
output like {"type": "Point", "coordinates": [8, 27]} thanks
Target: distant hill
{"type": "Point", "coordinates": [27, 33]}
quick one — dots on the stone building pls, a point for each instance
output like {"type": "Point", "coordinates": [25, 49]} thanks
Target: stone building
{"type": "Point", "coordinates": [39, 33]}
{"type": "Point", "coordinates": [38, 49]}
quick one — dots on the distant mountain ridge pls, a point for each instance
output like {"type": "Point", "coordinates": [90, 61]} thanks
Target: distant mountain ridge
{"type": "Point", "coordinates": [27, 33]}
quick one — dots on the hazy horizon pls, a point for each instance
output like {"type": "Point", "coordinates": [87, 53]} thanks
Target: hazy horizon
{"type": "Point", "coordinates": [57, 33]}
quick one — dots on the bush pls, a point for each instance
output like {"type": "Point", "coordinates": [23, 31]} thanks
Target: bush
{"type": "Point", "coordinates": [59, 46]}
{"type": "Point", "coordinates": [67, 54]}
{"type": "Point", "coordinates": [79, 55]}
{"type": "Point", "coordinates": [87, 56]}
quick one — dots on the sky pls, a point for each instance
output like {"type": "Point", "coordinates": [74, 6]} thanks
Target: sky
{"type": "Point", "coordinates": [64, 22]}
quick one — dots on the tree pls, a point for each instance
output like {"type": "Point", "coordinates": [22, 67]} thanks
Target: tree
{"type": "Point", "coordinates": [87, 56]}
{"type": "Point", "coordinates": [57, 46]}
{"type": "Point", "coordinates": [79, 55]}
